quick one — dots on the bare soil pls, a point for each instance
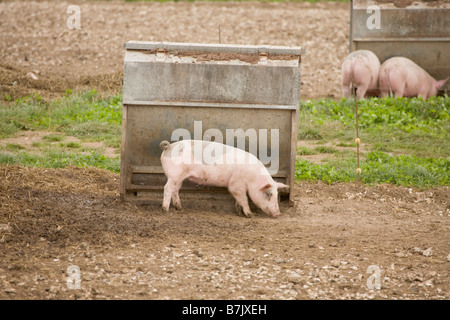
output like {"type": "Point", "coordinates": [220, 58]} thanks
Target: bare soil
{"type": "Point", "coordinates": [324, 247]}
{"type": "Point", "coordinates": [319, 249]}
{"type": "Point", "coordinates": [35, 38]}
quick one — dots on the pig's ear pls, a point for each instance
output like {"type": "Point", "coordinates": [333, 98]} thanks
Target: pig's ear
{"type": "Point", "coordinates": [440, 83]}
{"type": "Point", "coordinates": [282, 186]}
{"type": "Point", "coordinates": [265, 186]}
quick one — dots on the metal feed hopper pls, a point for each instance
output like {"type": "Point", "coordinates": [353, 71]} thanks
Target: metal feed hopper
{"type": "Point", "coordinates": [244, 96]}
{"type": "Point", "coordinates": [418, 30]}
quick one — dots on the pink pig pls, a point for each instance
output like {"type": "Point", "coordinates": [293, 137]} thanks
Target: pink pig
{"type": "Point", "coordinates": [404, 78]}
{"type": "Point", "coordinates": [216, 164]}
{"type": "Point", "coordinates": [361, 68]}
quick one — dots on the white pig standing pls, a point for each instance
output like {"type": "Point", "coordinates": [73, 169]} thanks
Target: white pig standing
{"type": "Point", "coordinates": [404, 78]}
{"type": "Point", "coordinates": [216, 164]}
{"type": "Point", "coordinates": [361, 68]}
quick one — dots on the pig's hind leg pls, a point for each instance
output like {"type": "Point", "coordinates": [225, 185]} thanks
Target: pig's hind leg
{"type": "Point", "coordinates": [362, 80]}
{"type": "Point", "coordinates": [361, 91]}
{"type": "Point", "coordinates": [171, 193]}
{"type": "Point", "coordinates": [176, 200]}
{"type": "Point", "coordinates": [346, 80]}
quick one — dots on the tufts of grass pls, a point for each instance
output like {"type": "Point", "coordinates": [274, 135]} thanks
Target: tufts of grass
{"type": "Point", "coordinates": [14, 147]}
{"type": "Point", "coordinates": [305, 151]}
{"type": "Point", "coordinates": [81, 115]}
{"type": "Point", "coordinates": [407, 125]}
{"type": "Point", "coordinates": [53, 137]}
{"type": "Point", "coordinates": [406, 141]}
{"type": "Point", "coordinates": [71, 145]}
{"type": "Point", "coordinates": [325, 149]}
{"type": "Point", "coordinates": [414, 131]}
{"type": "Point", "coordinates": [60, 159]}
{"type": "Point", "coordinates": [379, 167]}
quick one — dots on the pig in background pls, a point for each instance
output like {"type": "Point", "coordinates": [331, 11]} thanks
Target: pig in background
{"type": "Point", "coordinates": [219, 165]}
{"type": "Point", "coordinates": [404, 78]}
{"type": "Point", "coordinates": [360, 68]}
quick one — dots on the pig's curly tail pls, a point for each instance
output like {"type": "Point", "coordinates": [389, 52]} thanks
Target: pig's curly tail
{"type": "Point", "coordinates": [164, 145]}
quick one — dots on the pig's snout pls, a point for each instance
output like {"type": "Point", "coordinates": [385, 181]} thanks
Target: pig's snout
{"type": "Point", "coordinates": [274, 211]}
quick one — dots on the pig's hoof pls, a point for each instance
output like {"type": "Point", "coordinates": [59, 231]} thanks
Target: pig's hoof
{"type": "Point", "coordinates": [248, 214]}
{"type": "Point", "coordinates": [238, 208]}
{"type": "Point", "coordinates": [177, 205]}
{"type": "Point", "coordinates": [165, 209]}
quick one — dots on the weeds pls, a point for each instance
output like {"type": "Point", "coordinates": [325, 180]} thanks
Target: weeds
{"type": "Point", "coordinates": [59, 159]}
{"type": "Point", "coordinates": [80, 115]}
{"type": "Point", "coordinates": [405, 141]}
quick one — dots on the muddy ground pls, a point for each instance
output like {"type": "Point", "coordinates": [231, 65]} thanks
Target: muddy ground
{"type": "Point", "coordinates": [321, 248]}
{"type": "Point", "coordinates": [338, 242]}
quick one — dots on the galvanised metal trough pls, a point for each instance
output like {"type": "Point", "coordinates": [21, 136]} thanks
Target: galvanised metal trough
{"type": "Point", "coordinates": [242, 95]}
{"type": "Point", "coordinates": [418, 30]}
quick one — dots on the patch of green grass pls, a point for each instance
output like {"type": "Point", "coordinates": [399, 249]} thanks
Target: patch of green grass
{"type": "Point", "coordinates": [14, 146]}
{"type": "Point", "coordinates": [60, 159]}
{"type": "Point", "coordinates": [71, 145]}
{"type": "Point", "coordinates": [406, 170]}
{"type": "Point", "coordinates": [80, 115]}
{"type": "Point", "coordinates": [407, 125]}
{"type": "Point", "coordinates": [415, 131]}
{"type": "Point", "coordinates": [305, 151]}
{"type": "Point", "coordinates": [325, 149]}
{"type": "Point", "coordinates": [345, 145]}
{"type": "Point", "coordinates": [8, 158]}
{"type": "Point", "coordinates": [38, 144]}
{"type": "Point", "coordinates": [309, 134]}
{"type": "Point", "coordinates": [381, 147]}
{"type": "Point", "coordinates": [380, 167]}
{"type": "Point", "coordinates": [53, 137]}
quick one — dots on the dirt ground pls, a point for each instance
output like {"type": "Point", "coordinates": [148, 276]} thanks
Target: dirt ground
{"type": "Point", "coordinates": [339, 241]}
{"type": "Point", "coordinates": [35, 38]}
{"type": "Point", "coordinates": [321, 248]}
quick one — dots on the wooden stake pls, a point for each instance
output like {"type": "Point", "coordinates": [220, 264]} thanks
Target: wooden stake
{"type": "Point", "coordinates": [357, 140]}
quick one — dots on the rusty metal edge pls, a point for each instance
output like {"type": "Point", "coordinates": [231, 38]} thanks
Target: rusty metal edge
{"type": "Point", "coordinates": [219, 48]}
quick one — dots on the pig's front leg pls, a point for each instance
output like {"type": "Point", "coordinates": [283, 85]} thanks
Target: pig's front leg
{"type": "Point", "coordinates": [238, 208]}
{"type": "Point", "coordinates": [240, 194]}
{"type": "Point", "coordinates": [242, 205]}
